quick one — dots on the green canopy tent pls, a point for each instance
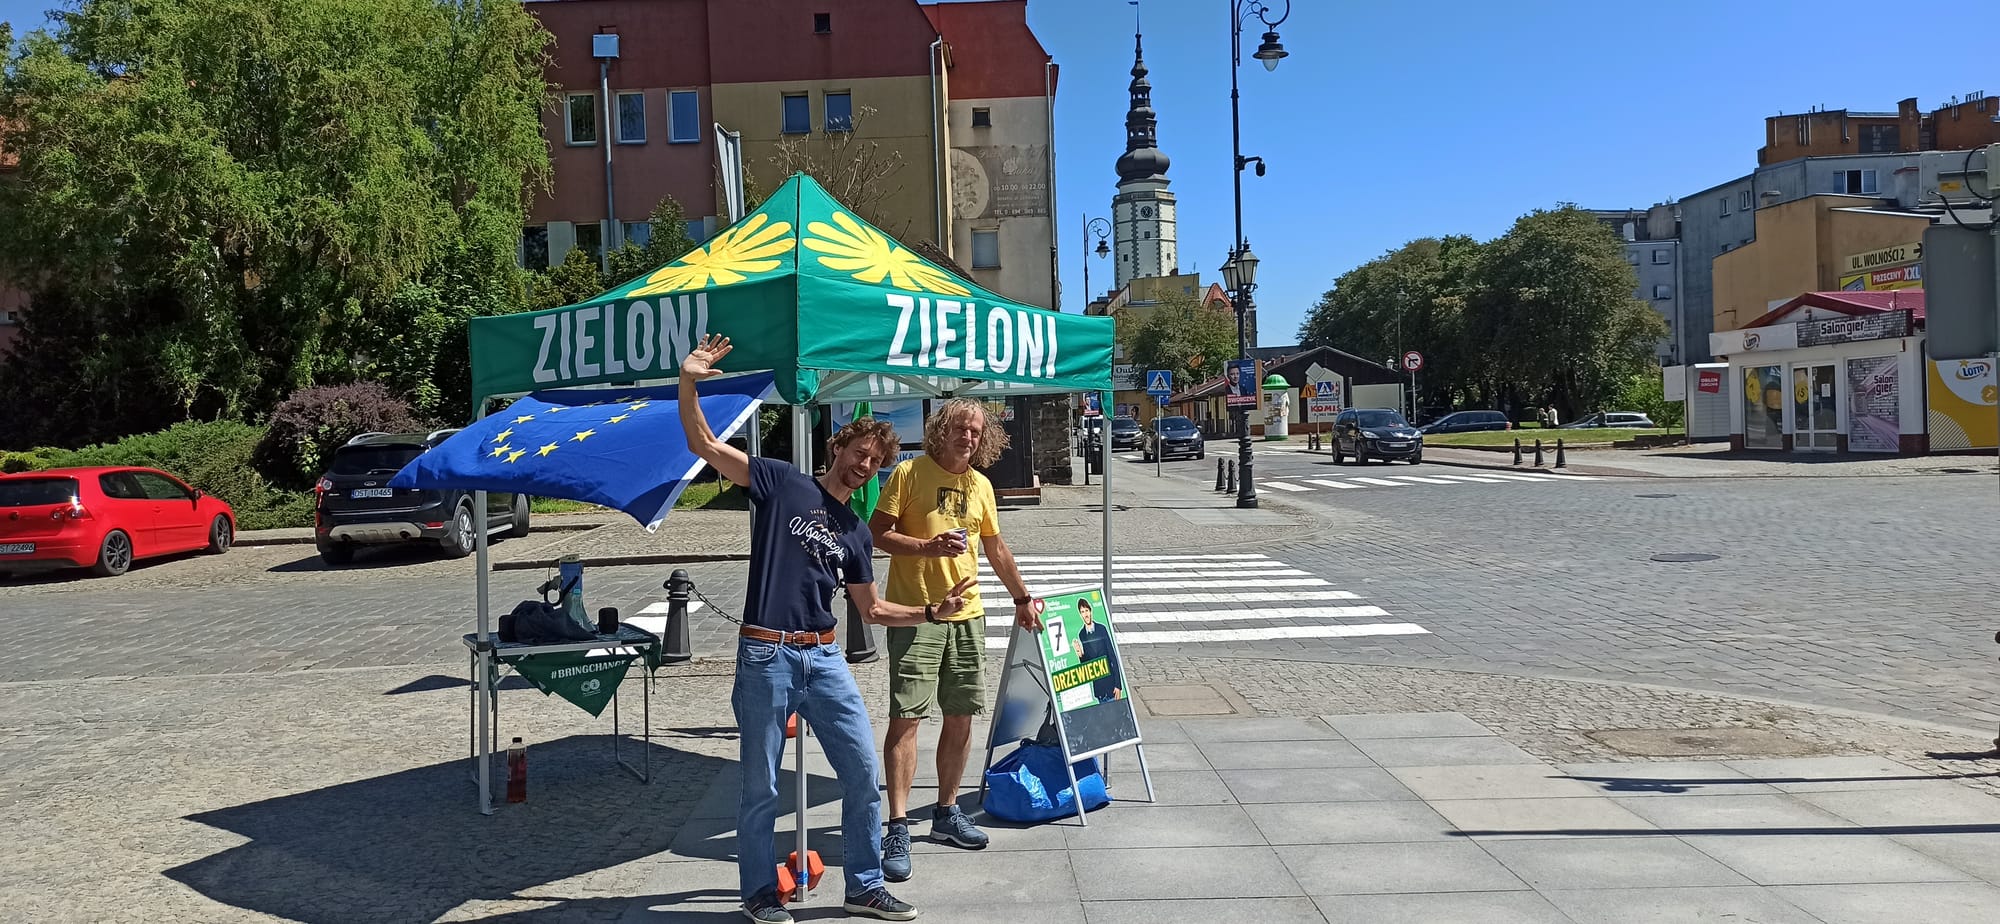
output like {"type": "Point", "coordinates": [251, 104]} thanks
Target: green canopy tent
{"type": "Point", "coordinates": [832, 307]}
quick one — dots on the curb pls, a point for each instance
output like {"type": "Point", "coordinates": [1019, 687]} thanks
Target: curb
{"type": "Point", "coordinates": [251, 539]}
{"type": "Point", "coordinates": [618, 561]}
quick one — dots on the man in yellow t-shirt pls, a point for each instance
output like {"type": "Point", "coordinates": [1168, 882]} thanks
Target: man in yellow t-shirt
{"type": "Point", "coordinates": [926, 518]}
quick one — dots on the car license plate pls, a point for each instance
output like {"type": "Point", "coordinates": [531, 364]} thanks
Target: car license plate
{"type": "Point", "coordinates": [360, 493]}
{"type": "Point", "coordinates": [16, 548]}
{"type": "Point", "coordinates": [1395, 445]}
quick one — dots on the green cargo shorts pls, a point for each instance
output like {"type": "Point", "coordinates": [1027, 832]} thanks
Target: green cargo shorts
{"type": "Point", "coordinates": [941, 662]}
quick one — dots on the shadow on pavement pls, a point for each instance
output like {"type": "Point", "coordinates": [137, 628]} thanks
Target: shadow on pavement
{"type": "Point", "coordinates": [436, 682]}
{"type": "Point", "coordinates": [412, 846]}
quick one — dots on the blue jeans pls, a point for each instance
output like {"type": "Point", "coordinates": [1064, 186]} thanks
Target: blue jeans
{"type": "Point", "coordinates": [773, 681]}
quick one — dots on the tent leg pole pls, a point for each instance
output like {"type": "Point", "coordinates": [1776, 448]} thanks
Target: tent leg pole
{"type": "Point", "coordinates": [482, 676]}
{"type": "Point", "coordinates": [1104, 447]}
{"type": "Point", "coordinates": [753, 442]}
{"type": "Point", "coordinates": [802, 455]}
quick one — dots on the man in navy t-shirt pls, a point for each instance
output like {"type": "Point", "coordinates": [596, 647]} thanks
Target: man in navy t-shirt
{"type": "Point", "coordinates": [804, 544]}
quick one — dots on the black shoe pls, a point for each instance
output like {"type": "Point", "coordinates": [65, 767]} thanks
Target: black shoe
{"type": "Point", "coordinates": [896, 852]}
{"type": "Point", "coordinates": [765, 909]}
{"type": "Point", "coordinates": [878, 903]}
{"type": "Point", "coordinates": [950, 825]}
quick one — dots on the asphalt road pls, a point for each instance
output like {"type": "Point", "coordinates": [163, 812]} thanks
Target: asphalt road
{"type": "Point", "coordinates": [1871, 594]}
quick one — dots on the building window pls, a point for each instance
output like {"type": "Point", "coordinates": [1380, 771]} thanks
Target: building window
{"type": "Point", "coordinates": [1662, 257]}
{"type": "Point", "coordinates": [1632, 257]}
{"type": "Point", "coordinates": [1855, 182]}
{"type": "Point", "coordinates": [798, 114]}
{"type": "Point", "coordinates": [982, 117]}
{"type": "Point", "coordinates": [638, 233]}
{"type": "Point", "coordinates": [1725, 205]}
{"type": "Point", "coordinates": [822, 23]}
{"type": "Point", "coordinates": [986, 249]}
{"type": "Point", "coordinates": [839, 112]}
{"type": "Point", "coordinates": [697, 229]}
{"type": "Point", "coordinates": [581, 127]}
{"type": "Point", "coordinates": [685, 114]}
{"type": "Point", "coordinates": [590, 239]}
{"type": "Point", "coordinates": [1663, 291]}
{"type": "Point", "coordinates": [631, 118]}
{"type": "Point", "coordinates": [1743, 200]}
{"type": "Point", "coordinates": [535, 247]}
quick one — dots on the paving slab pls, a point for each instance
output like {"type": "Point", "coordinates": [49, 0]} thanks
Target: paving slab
{"type": "Point", "coordinates": [1186, 787]}
{"type": "Point", "coordinates": [1406, 725]}
{"type": "Point", "coordinates": [1282, 755]}
{"type": "Point", "coordinates": [1264, 728]}
{"type": "Point", "coordinates": [1937, 803]}
{"type": "Point", "coordinates": [965, 878]}
{"type": "Point", "coordinates": [1483, 907]}
{"type": "Point", "coordinates": [1746, 814]}
{"type": "Point", "coordinates": [1344, 869]}
{"type": "Point", "coordinates": [1667, 778]}
{"type": "Point", "coordinates": [1929, 902]}
{"type": "Point", "coordinates": [1259, 910]}
{"type": "Point", "coordinates": [1510, 781]}
{"type": "Point", "coordinates": [1501, 819]}
{"type": "Point", "coordinates": [1183, 873]}
{"type": "Point", "coordinates": [1831, 774]}
{"type": "Point", "coordinates": [1677, 905]}
{"type": "Point", "coordinates": [1825, 859]}
{"type": "Point", "coordinates": [1339, 784]}
{"type": "Point", "coordinates": [1442, 752]}
{"type": "Point", "coordinates": [1350, 823]}
{"type": "Point", "coordinates": [1977, 853]}
{"type": "Point", "coordinates": [1167, 826]}
{"type": "Point", "coordinates": [1610, 863]}
{"type": "Point", "coordinates": [1171, 757]}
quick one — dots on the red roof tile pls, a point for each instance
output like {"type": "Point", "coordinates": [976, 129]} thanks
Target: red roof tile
{"type": "Point", "coordinates": [1850, 303]}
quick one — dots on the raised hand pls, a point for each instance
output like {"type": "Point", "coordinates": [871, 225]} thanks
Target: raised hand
{"type": "Point", "coordinates": [700, 362]}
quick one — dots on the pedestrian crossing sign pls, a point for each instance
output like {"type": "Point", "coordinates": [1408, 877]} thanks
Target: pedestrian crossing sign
{"type": "Point", "coordinates": [1323, 390]}
{"type": "Point", "coordinates": [1160, 382]}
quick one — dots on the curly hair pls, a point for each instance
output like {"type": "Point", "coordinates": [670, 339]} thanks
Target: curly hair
{"type": "Point", "coordinates": [992, 440]}
{"type": "Point", "coordinates": [868, 428]}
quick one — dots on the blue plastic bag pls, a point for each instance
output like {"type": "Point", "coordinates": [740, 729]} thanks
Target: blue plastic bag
{"type": "Point", "coordinates": [1029, 786]}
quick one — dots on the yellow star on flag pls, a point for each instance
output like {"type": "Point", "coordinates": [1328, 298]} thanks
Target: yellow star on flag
{"type": "Point", "coordinates": [587, 434]}
{"type": "Point", "coordinates": [497, 453]}
{"type": "Point", "coordinates": [547, 449]}
{"type": "Point", "coordinates": [524, 418]}
{"type": "Point", "coordinates": [504, 435]}
{"type": "Point", "coordinates": [619, 418]}
{"type": "Point", "coordinates": [554, 409]}
{"type": "Point", "coordinates": [639, 404]}
{"type": "Point", "coordinates": [516, 455]}
{"type": "Point", "coordinates": [622, 400]}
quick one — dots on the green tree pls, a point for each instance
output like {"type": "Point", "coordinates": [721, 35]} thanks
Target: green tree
{"type": "Point", "coordinates": [575, 279]}
{"type": "Point", "coordinates": [666, 242]}
{"type": "Point", "coordinates": [856, 171]}
{"type": "Point", "coordinates": [1183, 336]}
{"type": "Point", "coordinates": [220, 202]}
{"type": "Point", "coordinates": [1412, 298]}
{"type": "Point", "coordinates": [1555, 309]}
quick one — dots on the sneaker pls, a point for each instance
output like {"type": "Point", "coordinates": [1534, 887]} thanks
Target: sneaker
{"type": "Point", "coordinates": [896, 852]}
{"type": "Point", "coordinates": [878, 903]}
{"type": "Point", "coordinates": [949, 824]}
{"type": "Point", "coordinates": [765, 909]}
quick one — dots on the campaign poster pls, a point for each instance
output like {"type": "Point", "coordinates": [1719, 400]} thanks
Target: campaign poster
{"type": "Point", "coordinates": [1085, 675]}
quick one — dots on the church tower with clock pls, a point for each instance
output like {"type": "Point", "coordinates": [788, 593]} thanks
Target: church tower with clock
{"type": "Point", "coordinates": [1142, 212]}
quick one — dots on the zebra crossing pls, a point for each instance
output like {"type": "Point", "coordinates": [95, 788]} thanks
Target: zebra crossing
{"type": "Point", "coordinates": [1295, 484]}
{"type": "Point", "coordinates": [1181, 599]}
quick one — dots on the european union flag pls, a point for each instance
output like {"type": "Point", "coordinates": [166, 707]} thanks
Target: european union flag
{"type": "Point", "coordinates": [622, 449]}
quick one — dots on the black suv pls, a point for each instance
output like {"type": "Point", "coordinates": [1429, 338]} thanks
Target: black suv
{"type": "Point", "coordinates": [1375, 433]}
{"type": "Point", "coordinates": [355, 506]}
{"type": "Point", "coordinates": [1167, 437]}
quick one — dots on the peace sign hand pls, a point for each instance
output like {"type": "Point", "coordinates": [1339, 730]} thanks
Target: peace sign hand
{"type": "Point", "coordinates": [954, 600]}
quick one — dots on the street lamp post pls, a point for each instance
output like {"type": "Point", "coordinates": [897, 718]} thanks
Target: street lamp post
{"type": "Point", "coordinates": [1101, 229]}
{"type": "Point", "coordinates": [1240, 273]}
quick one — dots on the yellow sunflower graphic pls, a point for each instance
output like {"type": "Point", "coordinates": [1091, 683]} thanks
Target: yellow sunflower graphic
{"type": "Point", "coordinates": [750, 247]}
{"type": "Point", "coordinates": [873, 258]}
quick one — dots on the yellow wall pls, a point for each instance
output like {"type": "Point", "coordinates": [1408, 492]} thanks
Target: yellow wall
{"type": "Point", "coordinates": [1800, 247]}
{"type": "Point", "coordinates": [900, 124]}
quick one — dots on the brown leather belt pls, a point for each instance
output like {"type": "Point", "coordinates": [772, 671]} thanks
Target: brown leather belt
{"type": "Point", "coordinates": [800, 639]}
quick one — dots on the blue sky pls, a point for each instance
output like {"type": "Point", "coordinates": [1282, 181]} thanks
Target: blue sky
{"type": "Point", "coordinates": [1392, 121]}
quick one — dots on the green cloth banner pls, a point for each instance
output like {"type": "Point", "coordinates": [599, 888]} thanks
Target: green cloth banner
{"type": "Point", "coordinates": [803, 287]}
{"type": "Point", "coordinates": [586, 680]}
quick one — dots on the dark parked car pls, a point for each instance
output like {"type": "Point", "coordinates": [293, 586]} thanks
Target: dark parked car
{"type": "Point", "coordinates": [1375, 433]}
{"type": "Point", "coordinates": [356, 507]}
{"type": "Point", "coordinates": [1628, 420]}
{"type": "Point", "coordinates": [1171, 437]}
{"type": "Point", "coordinates": [1468, 422]}
{"type": "Point", "coordinates": [1126, 433]}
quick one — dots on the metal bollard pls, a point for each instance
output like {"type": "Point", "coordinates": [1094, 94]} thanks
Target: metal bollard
{"type": "Point", "coordinates": [1232, 476]}
{"type": "Point", "coordinates": [860, 637]}
{"type": "Point", "coordinates": [1218, 474]}
{"type": "Point", "coordinates": [1560, 462]}
{"type": "Point", "coordinates": [676, 649]}
{"type": "Point", "coordinates": [1517, 450]}
{"type": "Point", "coordinates": [1538, 453]}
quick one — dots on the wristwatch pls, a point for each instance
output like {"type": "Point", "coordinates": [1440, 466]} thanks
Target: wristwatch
{"type": "Point", "coordinates": [929, 616]}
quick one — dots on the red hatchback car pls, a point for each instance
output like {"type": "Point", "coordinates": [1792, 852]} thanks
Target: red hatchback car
{"type": "Point", "coordinates": [104, 519]}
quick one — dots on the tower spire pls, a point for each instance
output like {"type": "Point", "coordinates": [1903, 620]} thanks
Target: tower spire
{"type": "Point", "coordinates": [1143, 158]}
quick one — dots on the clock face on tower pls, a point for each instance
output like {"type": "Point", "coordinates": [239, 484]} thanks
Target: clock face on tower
{"type": "Point", "coordinates": [1145, 211]}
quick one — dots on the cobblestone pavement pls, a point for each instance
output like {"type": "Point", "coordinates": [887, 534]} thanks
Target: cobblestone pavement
{"type": "Point", "coordinates": [343, 795]}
